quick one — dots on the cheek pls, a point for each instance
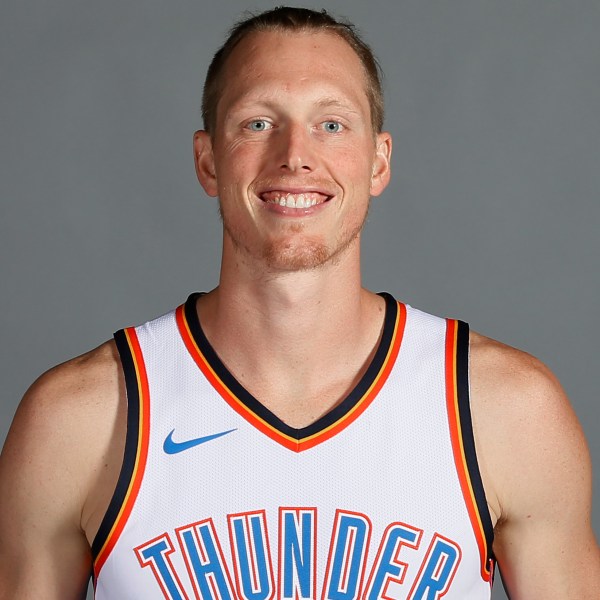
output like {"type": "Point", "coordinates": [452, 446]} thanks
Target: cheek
{"type": "Point", "coordinates": [358, 175]}
{"type": "Point", "coordinates": [356, 161]}
{"type": "Point", "coordinates": [231, 173]}
{"type": "Point", "coordinates": [239, 162]}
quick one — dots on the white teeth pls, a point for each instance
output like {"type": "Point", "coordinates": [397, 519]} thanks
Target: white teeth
{"type": "Point", "coordinates": [303, 200]}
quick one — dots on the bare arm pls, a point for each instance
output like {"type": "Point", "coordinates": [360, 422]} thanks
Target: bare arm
{"type": "Point", "coordinates": [54, 478]}
{"type": "Point", "coordinates": [538, 477]}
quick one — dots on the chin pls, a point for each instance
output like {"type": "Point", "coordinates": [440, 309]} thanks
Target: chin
{"type": "Point", "coordinates": [294, 252]}
{"type": "Point", "coordinates": [296, 257]}
{"type": "Point", "coordinates": [306, 254]}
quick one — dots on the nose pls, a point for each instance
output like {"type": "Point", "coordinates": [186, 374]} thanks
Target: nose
{"type": "Point", "coordinates": [296, 153]}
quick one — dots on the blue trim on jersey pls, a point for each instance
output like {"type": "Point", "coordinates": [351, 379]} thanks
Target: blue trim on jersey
{"type": "Point", "coordinates": [131, 444]}
{"type": "Point", "coordinates": [464, 410]}
{"type": "Point", "coordinates": [334, 415]}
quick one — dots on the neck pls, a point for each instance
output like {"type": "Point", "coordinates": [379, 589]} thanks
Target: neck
{"type": "Point", "coordinates": [286, 309]}
{"type": "Point", "coordinates": [299, 342]}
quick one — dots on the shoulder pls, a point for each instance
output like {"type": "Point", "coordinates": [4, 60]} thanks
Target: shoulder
{"type": "Point", "coordinates": [536, 469]}
{"type": "Point", "coordinates": [75, 382]}
{"type": "Point", "coordinates": [63, 430]}
{"type": "Point", "coordinates": [530, 442]}
{"type": "Point", "coordinates": [58, 468]}
{"type": "Point", "coordinates": [67, 400]}
{"type": "Point", "coordinates": [509, 384]}
{"type": "Point", "coordinates": [517, 391]}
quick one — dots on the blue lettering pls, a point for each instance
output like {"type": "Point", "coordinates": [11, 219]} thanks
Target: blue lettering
{"type": "Point", "coordinates": [155, 555]}
{"type": "Point", "coordinates": [387, 567]}
{"type": "Point", "coordinates": [348, 558]}
{"type": "Point", "coordinates": [210, 572]}
{"type": "Point", "coordinates": [251, 551]}
{"type": "Point", "coordinates": [297, 553]}
{"type": "Point", "coordinates": [437, 573]}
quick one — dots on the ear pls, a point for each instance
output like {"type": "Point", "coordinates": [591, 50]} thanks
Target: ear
{"type": "Point", "coordinates": [205, 162]}
{"type": "Point", "coordinates": [381, 164]}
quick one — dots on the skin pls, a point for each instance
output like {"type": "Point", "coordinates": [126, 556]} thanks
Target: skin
{"type": "Point", "coordinates": [292, 121]}
{"type": "Point", "coordinates": [282, 128]}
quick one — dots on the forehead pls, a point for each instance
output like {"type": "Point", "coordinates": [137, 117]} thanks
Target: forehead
{"type": "Point", "coordinates": [271, 61]}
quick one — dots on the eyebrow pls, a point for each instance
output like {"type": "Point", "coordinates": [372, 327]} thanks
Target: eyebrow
{"type": "Point", "coordinates": [332, 102]}
{"type": "Point", "coordinates": [328, 102]}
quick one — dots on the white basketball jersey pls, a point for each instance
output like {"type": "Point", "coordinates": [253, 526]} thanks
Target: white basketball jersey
{"type": "Point", "coordinates": [381, 498]}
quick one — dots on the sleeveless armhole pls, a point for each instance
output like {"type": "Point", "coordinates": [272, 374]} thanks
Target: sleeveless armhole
{"type": "Point", "coordinates": [136, 448]}
{"type": "Point", "coordinates": [463, 442]}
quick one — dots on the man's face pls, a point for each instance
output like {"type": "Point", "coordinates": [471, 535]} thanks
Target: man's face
{"type": "Point", "coordinates": [293, 157]}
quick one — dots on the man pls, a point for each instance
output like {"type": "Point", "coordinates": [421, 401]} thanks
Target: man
{"type": "Point", "coordinates": [290, 434]}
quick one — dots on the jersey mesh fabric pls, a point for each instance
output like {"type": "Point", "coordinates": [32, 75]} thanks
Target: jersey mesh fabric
{"type": "Point", "coordinates": [393, 468]}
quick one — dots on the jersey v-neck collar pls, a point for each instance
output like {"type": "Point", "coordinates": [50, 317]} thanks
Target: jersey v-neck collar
{"type": "Point", "coordinates": [251, 409]}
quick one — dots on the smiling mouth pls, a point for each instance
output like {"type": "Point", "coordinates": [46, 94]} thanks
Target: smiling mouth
{"type": "Point", "coordinates": [292, 200]}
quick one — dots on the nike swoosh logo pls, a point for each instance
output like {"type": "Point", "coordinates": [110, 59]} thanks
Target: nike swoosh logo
{"type": "Point", "coordinates": [172, 447]}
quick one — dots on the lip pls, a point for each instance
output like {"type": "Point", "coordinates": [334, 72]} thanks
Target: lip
{"type": "Point", "coordinates": [287, 211]}
{"type": "Point", "coordinates": [295, 190]}
{"type": "Point", "coordinates": [294, 200]}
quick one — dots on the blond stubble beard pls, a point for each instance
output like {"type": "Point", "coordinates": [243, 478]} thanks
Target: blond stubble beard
{"type": "Point", "coordinates": [304, 254]}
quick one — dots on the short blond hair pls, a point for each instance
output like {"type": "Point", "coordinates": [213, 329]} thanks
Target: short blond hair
{"type": "Point", "coordinates": [290, 19]}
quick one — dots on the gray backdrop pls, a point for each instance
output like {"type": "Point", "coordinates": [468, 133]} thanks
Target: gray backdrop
{"type": "Point", "coordinates": [492, 216]}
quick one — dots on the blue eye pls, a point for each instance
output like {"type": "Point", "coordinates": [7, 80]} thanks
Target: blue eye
{"type": "Point", "coordinates": [333, 126]}
{"type": "Point", "coordinates": [259, 125]}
